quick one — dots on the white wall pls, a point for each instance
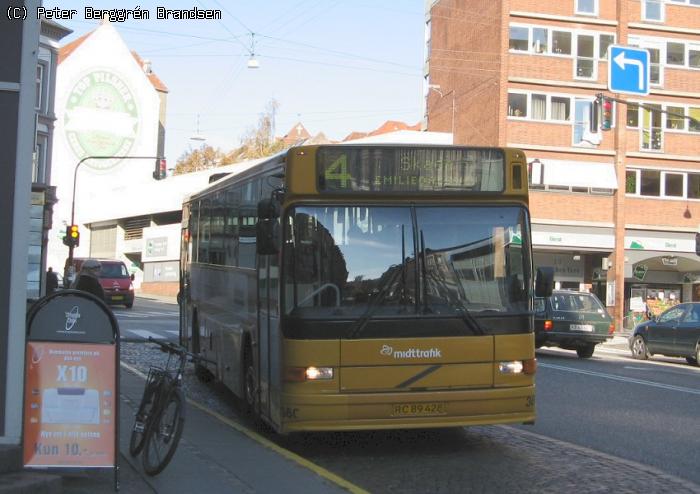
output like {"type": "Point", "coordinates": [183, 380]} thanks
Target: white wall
{"type": "Point", "coordinates": [105, 105]}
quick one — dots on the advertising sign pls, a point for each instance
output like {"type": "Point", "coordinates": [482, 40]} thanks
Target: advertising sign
{"type": "Point", "coordinates": [71, 384]}
{"type": "Point", "coordinates": [70, 401]}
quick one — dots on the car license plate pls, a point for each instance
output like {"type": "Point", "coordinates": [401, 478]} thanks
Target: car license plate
{"type": "Point", "coordinates": [418, 409]}
{"type": "Point", "coordinates": [581, 327]}
{"type": "Point", "coordinates": [117, 297]}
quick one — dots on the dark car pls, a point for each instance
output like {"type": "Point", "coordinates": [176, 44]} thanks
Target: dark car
{"type": "Point", "coordinates": [674, 333]}
{"type": "Point", "coordinates": [572, 321]}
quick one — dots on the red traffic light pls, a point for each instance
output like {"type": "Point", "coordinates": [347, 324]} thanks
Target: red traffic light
{"type": "Point", "coordinates": [606, 120]}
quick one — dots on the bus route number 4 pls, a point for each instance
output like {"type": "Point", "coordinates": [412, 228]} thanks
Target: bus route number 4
{"type": "Point", "coordinates": [338, 170]}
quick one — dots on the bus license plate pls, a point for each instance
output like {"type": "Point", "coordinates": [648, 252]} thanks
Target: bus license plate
{"type": "Point", "coordinates": [418, 409]}
{"type": "Point", "coordinates": [581, 327]}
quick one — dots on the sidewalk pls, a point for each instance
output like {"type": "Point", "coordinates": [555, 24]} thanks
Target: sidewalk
{"type": "Point", "coordinates": [160, 298]}
{"type": "Point", "coordinates": [212, 457]}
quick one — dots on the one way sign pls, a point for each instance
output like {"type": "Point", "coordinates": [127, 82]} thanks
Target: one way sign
{"type": "Point", "coordinates": [628, 70]}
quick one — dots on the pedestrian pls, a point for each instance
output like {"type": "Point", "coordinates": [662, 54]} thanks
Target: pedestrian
{"type": "Point", "coordinates": [51, 281]}
{"type": "Point", "coordinates": [88, 279]}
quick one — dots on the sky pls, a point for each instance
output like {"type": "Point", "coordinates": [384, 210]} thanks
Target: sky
{"type": "Point", "coordinates": [336, 66]}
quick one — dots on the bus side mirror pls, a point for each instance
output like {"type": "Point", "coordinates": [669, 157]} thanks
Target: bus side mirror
{"type": "Point", "coordinates": [267, 236]}
{"type": "Point", "coordinates": [544, 283]}
{"type": "Point", "coordinates": [268, 209]}
{"type": "Point", "coordinates": [267, 227]}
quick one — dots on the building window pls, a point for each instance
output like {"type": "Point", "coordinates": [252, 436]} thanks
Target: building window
{"type": "Point", "coordinates": [653, 10]}
{"type": "Point", "coordinates": [518, 38]}
{"type": "Point", "coordinates": [539, 107]}
{"type": "Point", "coordinates": [652, 131]}
{"type": "Point", "coordinates": [675, 53]}
{"type": "Point", "coordinates": [632, 116]}
{"type": "Point", "coordinates": [694, 122]}
{"type": "Point", "coordinates": [517, 105]}
{"type": "Point", "coordinates": [675, 119]}
{"type": "Point", "coordinates": [650, 184]}
{"type": "Point", "coordinates": [39, 86]}
{"type": "Point", "coordinates": [561, 108]}
{"type": "Point", "coordinates": [654, 49]}
{"type": "Point", "coordinates": [631, 181]}
{"type": "Point", "coordinates": [673, 184]}
{"type": "Point", "coordinates": [694, 56]}
{"type": "Point", "coordinates": [539, 40]}
{"type": "Point", "coordinates": [582, 114]}
{"type": "Point", "coordinates": [664, 184]}
{"type": "Point", "coordinates": [654, 66]}
{"type": "Point", "coordinates": [605, 41]}
{"type": "Point", "coordinates": [585, 61]}
{"type": "Point", "coordinates": [587, 7]}
{"type": "Point", "coordinates": [693, 187]}
{"type": "Point", "coordinates": [561, 42]}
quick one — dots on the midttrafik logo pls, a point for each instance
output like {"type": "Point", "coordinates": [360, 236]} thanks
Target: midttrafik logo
{"type": "Point", "coordinates": [411, 352]}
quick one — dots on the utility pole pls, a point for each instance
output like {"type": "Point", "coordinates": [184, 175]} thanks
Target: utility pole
{"type": "Point", "coordinates": [71, 245]}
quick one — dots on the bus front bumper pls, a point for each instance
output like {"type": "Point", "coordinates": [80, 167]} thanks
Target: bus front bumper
{"type": "Point", "coordinates": [365, 411]}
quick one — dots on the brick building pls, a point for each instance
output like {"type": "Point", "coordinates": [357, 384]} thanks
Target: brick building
{"type": "Point", "coordinates": [615, 212]}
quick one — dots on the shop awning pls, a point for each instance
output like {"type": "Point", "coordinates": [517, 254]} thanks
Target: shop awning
{"type": "Point", "coordinates": [573, 173]}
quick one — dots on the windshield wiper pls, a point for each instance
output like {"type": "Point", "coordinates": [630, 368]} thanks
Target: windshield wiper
{"type": "Point", "coordinates": [460, 308]}
{"type": "Point", "coordinates": [377, 302]}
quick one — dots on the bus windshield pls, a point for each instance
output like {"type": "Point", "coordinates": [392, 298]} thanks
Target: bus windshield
{"type": "Point", "coordinates": [342, 261]}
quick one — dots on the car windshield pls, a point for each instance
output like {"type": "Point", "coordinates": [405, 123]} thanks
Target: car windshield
{"type": "Point", "coordinates": [581, 302]}
{"type": "Point", "coordinates": [113, 270]}
{"type": "Point", "coordinates": [340, 260]}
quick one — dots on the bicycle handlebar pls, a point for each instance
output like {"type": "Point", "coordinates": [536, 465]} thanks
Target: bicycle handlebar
{"type": "Point", "coordinates": [169, 347]}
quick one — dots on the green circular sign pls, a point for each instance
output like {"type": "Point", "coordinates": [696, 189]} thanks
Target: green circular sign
{"type": "Point", "coordinates": [101, 118]}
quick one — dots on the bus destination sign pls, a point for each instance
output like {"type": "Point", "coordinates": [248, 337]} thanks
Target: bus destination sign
{"type": "Point", "coordinates": [379, 169]}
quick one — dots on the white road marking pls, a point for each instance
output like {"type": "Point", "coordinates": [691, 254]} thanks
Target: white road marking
{"type": "Point", "coordinates": [613, 377]}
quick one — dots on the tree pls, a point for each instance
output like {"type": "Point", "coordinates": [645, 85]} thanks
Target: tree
{"type": "Point", "coordinates": [202, 158]}
{"type": "Point", "coordinates": [259, 141]}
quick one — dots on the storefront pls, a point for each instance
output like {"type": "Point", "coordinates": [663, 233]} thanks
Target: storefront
{"type": "Point", "coordinates": [576, 253]}
{"type": "Point", "coordinates": [661, 270]}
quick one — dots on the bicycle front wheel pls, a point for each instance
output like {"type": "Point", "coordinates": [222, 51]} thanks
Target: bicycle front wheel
{"type": "Point", "coordinates": [142, 419]}
{"type": "Point", "coordinates": [164, 434]}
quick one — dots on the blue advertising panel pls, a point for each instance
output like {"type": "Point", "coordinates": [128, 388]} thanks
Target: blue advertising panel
{"type": "Point", "coordinates": [628, 70]}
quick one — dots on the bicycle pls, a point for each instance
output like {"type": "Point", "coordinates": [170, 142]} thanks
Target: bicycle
{"type": "Point", "coordinates": [160, 418]}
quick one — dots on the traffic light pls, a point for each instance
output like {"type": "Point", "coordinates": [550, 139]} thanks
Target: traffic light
{"type": "Point", "coordinates": [159, 172]}
{"type": "Point", "coordinates": [606, 118]}
{"type": "Point", "coordinates": [72, 238]}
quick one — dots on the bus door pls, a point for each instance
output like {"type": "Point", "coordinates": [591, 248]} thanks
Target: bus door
{"type": "Point", "coordinates": [264, 334]}
{"type": "Point", "coordinates": [183, 295]}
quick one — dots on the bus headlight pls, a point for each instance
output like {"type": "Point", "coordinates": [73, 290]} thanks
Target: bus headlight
{"type": "Point", "coordinates": [300, 374]}
{"type": "Point", "coordinates": [513, 367]}
{"type": "Point", "coordinates": [314, 373]}
{"type": "Point", "coordinates": [528, 366]}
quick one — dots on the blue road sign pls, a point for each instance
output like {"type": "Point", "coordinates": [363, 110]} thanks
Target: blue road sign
{"type": "Point", "coordinates": [628, 70]}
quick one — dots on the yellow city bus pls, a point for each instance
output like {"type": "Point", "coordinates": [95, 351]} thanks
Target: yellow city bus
{"type": "Point", "coordinates": [349, 287]}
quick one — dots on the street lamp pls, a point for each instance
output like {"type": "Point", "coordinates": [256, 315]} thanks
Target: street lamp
{"type": "Point", "coordinates": [75, 178]}
{"type": "Point", "coordinates": [436, 88]}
